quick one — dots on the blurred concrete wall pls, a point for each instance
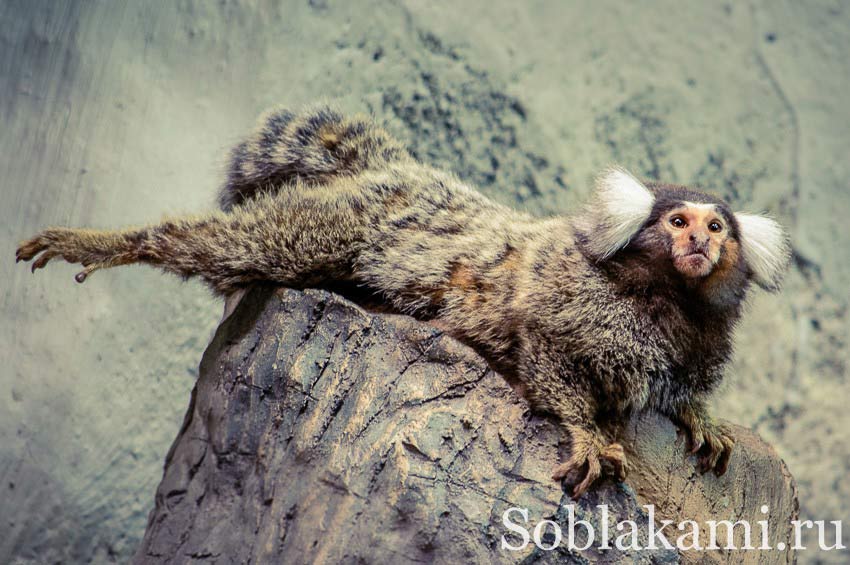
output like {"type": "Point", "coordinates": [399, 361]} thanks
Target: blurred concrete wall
{"type": "Point", "coordinates": [118, 112]}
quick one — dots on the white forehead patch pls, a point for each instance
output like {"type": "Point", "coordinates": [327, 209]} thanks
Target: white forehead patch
{"type": "Point", "coordinates": [700, 206]}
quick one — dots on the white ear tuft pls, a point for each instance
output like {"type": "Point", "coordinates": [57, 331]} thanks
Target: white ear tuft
{"type": "Point", "coordinates": [624, 204]}
{"type": "Point", "coordinates": [765, 247]}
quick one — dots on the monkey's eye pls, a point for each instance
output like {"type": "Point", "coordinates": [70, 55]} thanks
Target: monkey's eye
{"type": "Point", "coordinates": [678, 222]}
{"type": "Point", "coordinates": [715, 227]}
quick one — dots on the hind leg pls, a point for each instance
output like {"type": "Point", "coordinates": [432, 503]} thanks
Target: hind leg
{"type": "Point", "coordinates": [296, 246]}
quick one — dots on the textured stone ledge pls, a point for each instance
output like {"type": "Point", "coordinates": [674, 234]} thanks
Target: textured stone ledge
{"type": "Point", "coordinates": [321, 432]}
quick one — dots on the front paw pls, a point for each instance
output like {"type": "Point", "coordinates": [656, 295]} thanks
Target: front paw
{"type": "Point", "coordinates": [590, 459]}
{"type": "Point", "coordinates": [712, 444]}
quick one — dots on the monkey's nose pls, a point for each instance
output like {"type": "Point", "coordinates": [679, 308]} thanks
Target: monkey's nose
{"type": "Point", "coordinates": [697, 237]}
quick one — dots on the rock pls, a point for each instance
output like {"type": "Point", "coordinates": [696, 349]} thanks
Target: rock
{"type": "Point", "coordinates": [318, 431]}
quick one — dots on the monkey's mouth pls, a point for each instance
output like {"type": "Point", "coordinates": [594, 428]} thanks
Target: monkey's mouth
{"type": "Point", "coordinates": [694, 264]}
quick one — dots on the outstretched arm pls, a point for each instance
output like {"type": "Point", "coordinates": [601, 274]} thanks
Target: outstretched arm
{"type": "Point", "coordinates": [228, 251]}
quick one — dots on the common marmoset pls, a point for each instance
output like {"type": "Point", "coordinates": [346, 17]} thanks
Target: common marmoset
{"type": "Point", "coordinates": [628, 304]}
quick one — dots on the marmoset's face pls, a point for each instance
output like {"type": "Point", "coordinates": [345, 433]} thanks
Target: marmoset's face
{"type": "Point", "coordinates": [698, 233]}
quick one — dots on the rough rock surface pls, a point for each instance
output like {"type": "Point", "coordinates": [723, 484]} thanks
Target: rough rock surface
{"type": "Point", "coordinates": [320, 432]}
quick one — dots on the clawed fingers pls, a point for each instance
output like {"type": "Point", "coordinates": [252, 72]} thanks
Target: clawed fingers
{"type": "Point", "coordinates": [717, 451]}
{"type": "Point", "coordinates": [92, 249]}
{"type": "Point", "coordinates": [565, 468]}
{"type": "Point", "coordinates": [722, 463]}
{"type": "Point", "coordinates": [572, 466]}
{"type": "Point", "coordinates": [56, 242]}
{"type": "Point", "coordinates": [42, 248]}
{"type": "Point", "coordinates": [709, 460]}
{"type": "Point", "coordinates": [30, 248]}
{"type": "Point", "coordinates": [594, 470]}
{"type": "Point", "coordinates": [42, 259]}
{"type": "Point", "coordinates": [615, 456]}
{"type": "Point", "coordinates": [696, 440]}
{"type": "Point", "coordinates": [584, 467]}
{"type": "Point", "coordinates": [560, 472]}
{"type": "Point", "coordinates": [710, 441]}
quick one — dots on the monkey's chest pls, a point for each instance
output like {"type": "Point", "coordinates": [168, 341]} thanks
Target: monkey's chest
{"type": "Point", "coordinates": [649, 370]}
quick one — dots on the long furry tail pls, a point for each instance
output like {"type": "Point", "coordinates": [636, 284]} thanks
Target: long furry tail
{"type": "Point", "coordinates": [312, 146]}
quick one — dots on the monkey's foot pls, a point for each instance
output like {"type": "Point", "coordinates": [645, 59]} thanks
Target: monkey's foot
{"type": "Point", "coordinates": [589, 460]}
{"type": "Point", "coordinates": [711, 443]}
{"type": "Point", "coordinates": [92, 249]}
{"type": "Point", "coordinates": [614, 462]}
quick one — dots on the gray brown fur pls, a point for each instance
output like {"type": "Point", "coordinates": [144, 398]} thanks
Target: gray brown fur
{"type": "Point", "coordinates": [315, 197]}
